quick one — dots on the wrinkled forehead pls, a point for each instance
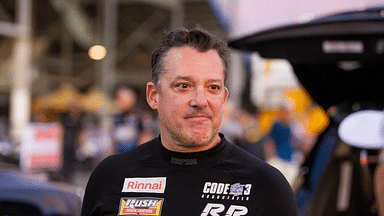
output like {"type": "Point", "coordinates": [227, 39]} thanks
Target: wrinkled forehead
{"type": "Point", "coordinates": [188, 58]}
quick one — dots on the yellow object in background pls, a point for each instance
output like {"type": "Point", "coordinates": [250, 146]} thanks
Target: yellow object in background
{"type": "Point", "coordinates": [313, 116]}
{"type": "Point", "coordinates": [318, 120]}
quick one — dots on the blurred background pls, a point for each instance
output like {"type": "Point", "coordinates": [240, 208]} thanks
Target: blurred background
{"type": "Point", "coordinates": [62, 58]}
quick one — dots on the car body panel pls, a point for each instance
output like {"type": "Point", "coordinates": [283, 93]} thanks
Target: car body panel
{"type": "Point", "coordinates": [49, 197]}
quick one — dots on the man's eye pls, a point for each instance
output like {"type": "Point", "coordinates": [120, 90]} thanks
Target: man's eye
{"type": "Point", "coordinates": [215, 87]}
{"type": "Point", "coordinates": [183, 85]}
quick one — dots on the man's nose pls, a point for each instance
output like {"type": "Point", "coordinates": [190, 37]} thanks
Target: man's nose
{"type": "Point", "coordinates": [199, 98]}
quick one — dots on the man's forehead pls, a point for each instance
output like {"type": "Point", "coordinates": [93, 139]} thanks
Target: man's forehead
{"type": "Point", "coordinates": [187, 63]}
{"type": "Point", "coordinates": [180, 51]}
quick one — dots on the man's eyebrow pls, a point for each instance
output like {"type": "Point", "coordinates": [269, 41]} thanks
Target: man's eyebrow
{"type": "Point", "coordinates": [215, 80]}
{"type": "Point", "coordinates": [188, 78]}
{"type": "Point", "coordinates": [178, 78]}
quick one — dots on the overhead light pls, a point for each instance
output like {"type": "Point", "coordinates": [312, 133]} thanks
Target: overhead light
{"type": "Point", "coordinates": [97, 52]}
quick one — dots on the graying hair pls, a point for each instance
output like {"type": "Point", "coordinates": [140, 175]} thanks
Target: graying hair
{"type": "Point", "coordinates": [198, 38]}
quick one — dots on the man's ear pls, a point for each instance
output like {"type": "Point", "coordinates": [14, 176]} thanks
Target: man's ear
{"type": "Point", "coordinates": [152, 95]}
{"type": "Point", "coordinates": [226, 93]}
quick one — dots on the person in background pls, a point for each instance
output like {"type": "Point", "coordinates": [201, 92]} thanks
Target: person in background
{"type": "Point", "coordinates": [234, 131]}
{"type": "Point", "coordinates": [73, 124]}
{"type": "Point", "coordinates": [279, 141]}
{"type": "Point", "coordinates": [279, 146]}
{"type": "Point", "coordinates": [190, 169]}
{"type": "Point", "coordinates": [129, 127]}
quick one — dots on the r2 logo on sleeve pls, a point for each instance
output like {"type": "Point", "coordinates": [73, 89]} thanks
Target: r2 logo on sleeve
{"type": "Point", "coordinates": [213, 209]}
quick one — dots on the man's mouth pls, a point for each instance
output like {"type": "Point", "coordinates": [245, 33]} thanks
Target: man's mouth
{"type": "Point", "coordinates": [197, 116]}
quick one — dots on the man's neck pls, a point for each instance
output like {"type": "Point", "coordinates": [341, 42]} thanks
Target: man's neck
{"type": "Point", "coordinates": [176, 146]}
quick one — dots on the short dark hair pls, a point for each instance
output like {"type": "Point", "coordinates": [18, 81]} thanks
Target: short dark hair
{"type": "Point", "coordinates": [197, 38]}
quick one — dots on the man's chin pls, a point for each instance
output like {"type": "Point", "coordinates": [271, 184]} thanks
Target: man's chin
{"type": "Point", "coordinates": [200, 137]}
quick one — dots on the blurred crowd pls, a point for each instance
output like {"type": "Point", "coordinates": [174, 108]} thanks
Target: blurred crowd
{"type": "Point", "coordinates": [281, 136]}
{"type": "Point", "coordinates": [88, 138]}
{"type": "Point", "coordinates": [284, 142]}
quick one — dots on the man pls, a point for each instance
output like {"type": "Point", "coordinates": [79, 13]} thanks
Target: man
{"type": "Point", "coordinates": [281, 136]}
{"type": "Point", "coordinates": [73, 122]}
{"type": "Point", "coordinates": [129, 129]}
{"type": "Point", "coordinates": [190, 169]}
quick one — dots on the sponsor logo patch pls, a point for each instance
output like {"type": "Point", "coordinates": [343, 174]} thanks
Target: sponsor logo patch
{"type": "Point", "coordinates": [141, 206]}
{"type": "Point", "coordinates": [236, 189]}
{"type": "Point", "coordinates": [183, 161]}
{"type": "Point", "coordinates": [216, 208]}
{"type": "Point", "coordinates": [144, 185]}
{"type": "Point", "coordinates": [219, 190]}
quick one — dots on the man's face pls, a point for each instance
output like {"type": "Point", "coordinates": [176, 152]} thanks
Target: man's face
{"type": "Point", "coordinates": [126, 99]}
{"type": "Point", "coordinates": [190, 99]}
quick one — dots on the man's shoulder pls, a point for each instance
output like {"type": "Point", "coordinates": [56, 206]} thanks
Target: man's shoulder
{"type": "Point", "coordinates": [262, 176]}
{"type": "Point", "coordinates": [133, 156]}
{"type": "Point", "coordinates": [251, 165]}
{"type": "Point", "coordinates": [241, 155]}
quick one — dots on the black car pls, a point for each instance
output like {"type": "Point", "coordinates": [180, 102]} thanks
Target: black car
{"type": "Point", "coordinates": [339, 59]}
{"type": "Point", "coordinates": [32, 195]}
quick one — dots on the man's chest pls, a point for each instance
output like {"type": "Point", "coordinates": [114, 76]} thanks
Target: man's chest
{"type": "Point", "coordinates": [185, 193]}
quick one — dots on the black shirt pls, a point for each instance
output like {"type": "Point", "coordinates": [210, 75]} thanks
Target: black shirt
{"type": "Point", "coordinates": [151, 180]}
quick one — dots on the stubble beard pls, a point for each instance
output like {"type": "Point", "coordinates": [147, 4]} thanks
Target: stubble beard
{"type": "Point", "coordinates": [188, 138]}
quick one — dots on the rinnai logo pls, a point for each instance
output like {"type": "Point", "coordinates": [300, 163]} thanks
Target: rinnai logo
{"type": "Point", "coordinates": [144, 185]}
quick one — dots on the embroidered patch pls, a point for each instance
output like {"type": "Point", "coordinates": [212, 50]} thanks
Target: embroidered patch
{"type": "Point", "coordinates": [236, 189]}
{"type": "Point", "coordinates": [183, 161]}
{"type": "Point", "coordinates": [141, 206]}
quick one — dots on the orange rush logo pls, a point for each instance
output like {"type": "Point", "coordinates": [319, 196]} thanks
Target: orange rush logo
{"type": "Point", "coordinates": [140, 206]}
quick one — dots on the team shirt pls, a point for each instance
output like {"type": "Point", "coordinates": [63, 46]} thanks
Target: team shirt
{"type": "Point", "coordinates": [127, 129]}
{"type": "Point", "coordinates": [222, 181]}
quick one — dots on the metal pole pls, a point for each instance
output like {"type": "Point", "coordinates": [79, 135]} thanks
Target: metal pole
{"type": "Point", "coordinates": [107, 74]}
{"type": "Point", "coordinates": [235, 68]}
{"type": "Point", "coordinates": [177, 17]}
{"type": "Point", "coordinates": [20, 95]}
{"type": "Point", "coordinates": [109, 39]}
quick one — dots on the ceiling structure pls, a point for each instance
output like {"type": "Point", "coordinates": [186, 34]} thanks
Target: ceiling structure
{"type": "Point", "coordinates": [63, 31]}
{"type": "Point", "coordinates": [44, 46]}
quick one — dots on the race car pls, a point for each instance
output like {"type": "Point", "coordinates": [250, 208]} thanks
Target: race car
{"type": "Point", "coordinates": [339, 59]}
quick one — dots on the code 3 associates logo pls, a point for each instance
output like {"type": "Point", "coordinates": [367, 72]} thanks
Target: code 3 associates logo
{"type": "Point", "coordinates": [144, 185]}
{"type": "Point", "coordinates": [217, 190]}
